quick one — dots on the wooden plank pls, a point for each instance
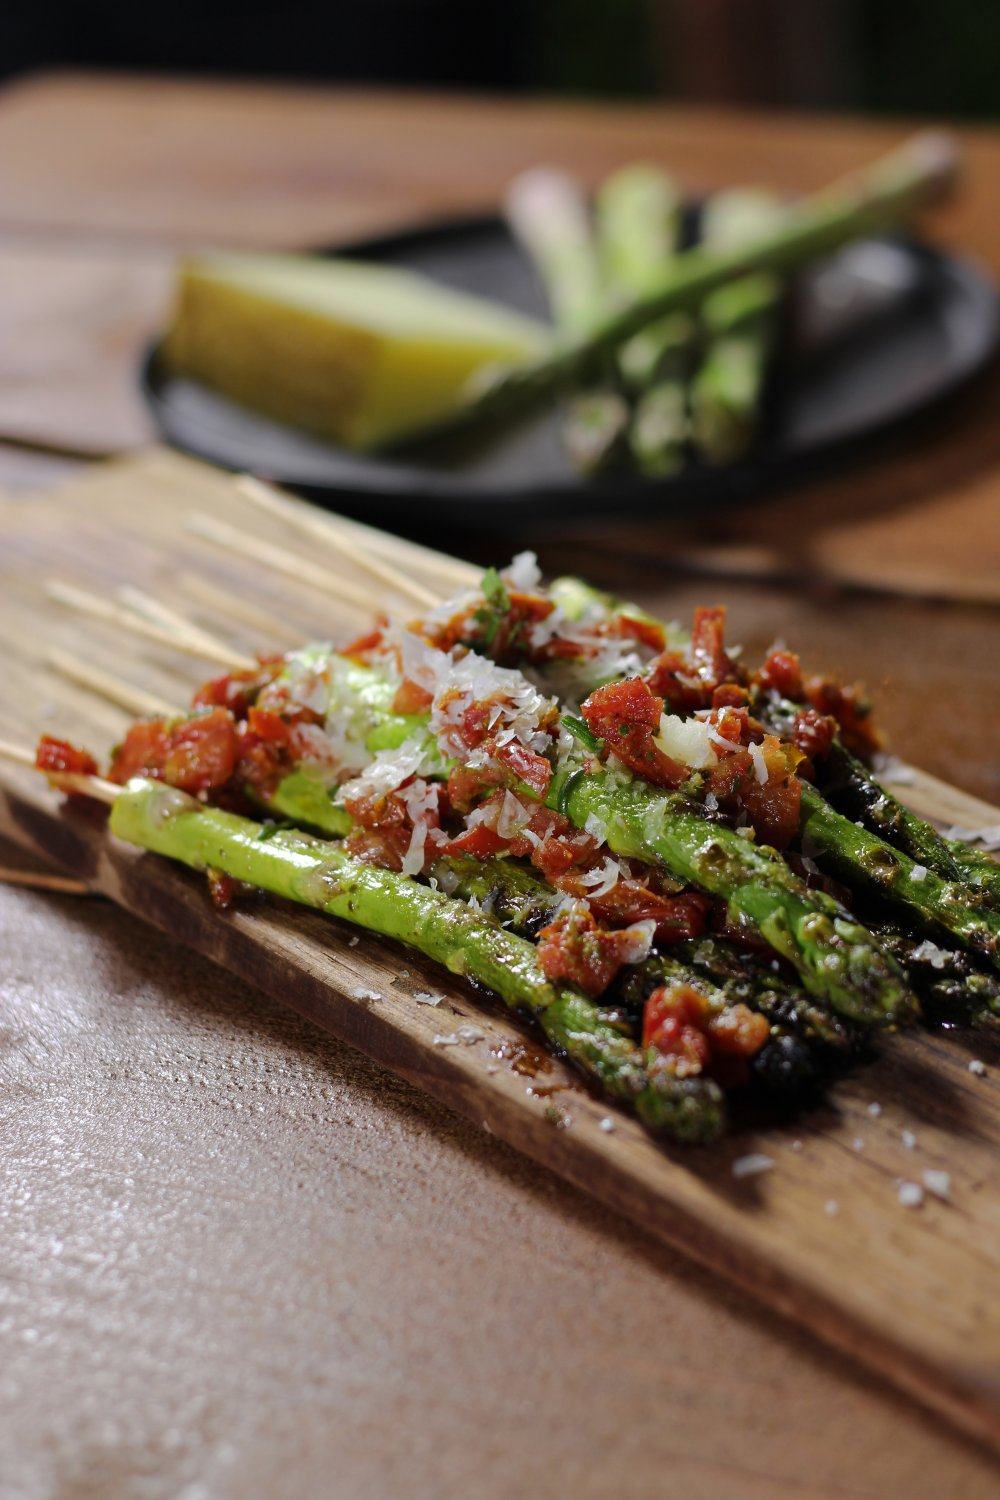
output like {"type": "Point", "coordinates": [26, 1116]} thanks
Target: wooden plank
{"type": "Point", "coordinates": [822, 1236]}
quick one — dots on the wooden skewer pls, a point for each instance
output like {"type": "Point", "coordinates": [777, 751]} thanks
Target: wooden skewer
{"type": "Point", "coordinates": [117, 614]}
{"type": "Point", "coordinates": [271, 500]}
{"type": "Point", "coordinates": [61, 885]}
{"type": "Point", "coordinates": [171, 619]}
{"type": "Point", "coordinates": [342, 590]}
{"type": "Point", "coordinates": [233, 607]}
{"type": "Point", "coordinates": [68, 781]}
{"type": "Point", "coordinates": [133, 699]}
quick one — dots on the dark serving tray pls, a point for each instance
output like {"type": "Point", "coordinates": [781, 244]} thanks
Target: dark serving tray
{"type": "Point", "coordinates": [871, 338]}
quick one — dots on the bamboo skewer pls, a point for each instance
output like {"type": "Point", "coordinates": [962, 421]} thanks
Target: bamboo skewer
{"type": "Point", "coordinates": [68, 781]}
{"type": "Point", "coordinates": [274, 503]}
{"type": "Point", "coordinates": [171, 619]}
{"type": "Point", "coordinates": [212, 596]}
{"type": "Point", "coordinates": [118, 614]}
{"type": "Point", "coordinates": [60, 885]}
{"type": "Point", "coordinates": [133, 700]}
{"type": "Point", "coordinates": [301, 569]}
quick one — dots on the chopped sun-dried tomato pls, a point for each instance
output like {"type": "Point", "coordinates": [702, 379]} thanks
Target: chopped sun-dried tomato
{"type": "Point", "coordinates": [379, 846]}
{"type": "Point", "coordinates": [575, 949]}
{"type": "Point", "coordinates": [411, 698]}
{"type": "Point", "coordinates": [238, 690]}
{"type": "Point", "coordinates": [851, 710]}
{"type": "Point", "coordinates": [677, 1022]}
{"type": "Point", "coordinates": [674, 1021]}
{"type": "Point", "coordinates": [196, 754]}
{"type": "Point", "coordinates": [509, 764]}
{"type": "Point", "coordinates": [375, 809]}
{"type": "Point", "coordinates": [773, 805]}
{"type": "Point", "coordinates": [634, 628]}
{"type": "Point", "coordinates": [782, 674]}
{"type": "Point", "coordinates": [481, 842]}
{"type": "Point", "coordinates": [813, 733]}
{"type": "Point", "coordinates": [372, 640]}
{"type": "Point", "coordinates": [60, 755]}
{"type": "Point", "coordinates": [626, 715]}
{"type": "Point", "coordinates": [676, 917]}
{"type": "Point", "coordinates": [708, 646]}
{"type": "Point", "coordinates": [224, 890]}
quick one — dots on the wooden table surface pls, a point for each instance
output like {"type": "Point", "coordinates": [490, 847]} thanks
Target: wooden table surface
{"type": "Point", "coordinates": [238, 1260]}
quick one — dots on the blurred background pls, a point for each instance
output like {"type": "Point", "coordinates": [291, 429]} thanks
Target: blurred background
{"type": "Point", "coordinates": [874, 56]}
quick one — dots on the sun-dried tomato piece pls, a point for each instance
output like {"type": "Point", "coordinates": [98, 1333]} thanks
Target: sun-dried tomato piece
{"type": "Point", "coordinates": [634, 628]}
{"type": "Point", "coordinates": [813, 733]}
{"type": "Point", "coordinates": [626, 715]}
{"type": "Point", "coordinates": [372, 640]}
{"type": "Point", "coordinates": [672, 677]}
{"type": "Point", "coordinates": [526, 770]}
{"type": "Point", "coordinates": [196, 754]}
{"type": "Point", "coordinates": [575, 949]}
{"type": "Point", "coordinates": [708, 646]}
{"type": "Point", "coordinates": [629, 900]}
{"type": "Point", "coordinates": [411, 698]}
{"type": "Point", "coordinates": [60, 755]}
{"type": "Point", "coordinates": [375, 809]}
{"type": "Point", "coordinates": [379, 846]}
{"type": "Point", "coordinates": [481, 842]}
{"type": "Point", "coordinates": [238, 690]}
{"type": "Point", "coordinates": [851, 709]}
{"type": "Point", "coordinates": [673, 1022]}
{"type": "Point", "coordinates": [781, 673]}
{"type": "Point", "coordinates": [225, 891]}
{"type": "Point", "coordinates": [678, 1023]}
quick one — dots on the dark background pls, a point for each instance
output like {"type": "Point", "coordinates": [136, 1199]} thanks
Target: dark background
{"type": "Point", "coordinates": [879, 56]}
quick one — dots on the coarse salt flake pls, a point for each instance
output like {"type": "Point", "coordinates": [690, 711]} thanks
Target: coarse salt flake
{"type": "Point", "coordinates": [752, 1165]}
{"type": "Point", "coordinates": [938, 1183]}
{"type": "Point", "coordinates": [911, 1194]}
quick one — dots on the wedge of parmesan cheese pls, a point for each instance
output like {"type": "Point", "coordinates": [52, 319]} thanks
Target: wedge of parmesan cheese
{"type": "Point", "coordinates": [359, 353]}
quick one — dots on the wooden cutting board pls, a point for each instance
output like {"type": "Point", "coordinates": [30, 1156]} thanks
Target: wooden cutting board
{"type": "Point", "coordinates": [822, 1236]}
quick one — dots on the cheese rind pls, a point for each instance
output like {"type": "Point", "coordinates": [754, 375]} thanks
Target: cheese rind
{"type": "Point", "coordinates": [358, 353]}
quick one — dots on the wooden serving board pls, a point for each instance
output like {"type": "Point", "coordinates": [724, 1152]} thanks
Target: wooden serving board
{"type": "Point", "coordinates": [821, 1236]}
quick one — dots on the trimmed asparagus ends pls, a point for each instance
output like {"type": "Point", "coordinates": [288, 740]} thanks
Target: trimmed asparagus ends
{"type": "Point", "coordinates": [315, 873]}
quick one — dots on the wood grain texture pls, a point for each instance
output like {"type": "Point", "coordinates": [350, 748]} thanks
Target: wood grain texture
{"type": "Point", "coordinates": [822, 1236]}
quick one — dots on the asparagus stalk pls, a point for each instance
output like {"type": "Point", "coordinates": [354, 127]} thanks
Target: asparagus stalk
{"type": "Point", "coordinates": [836, 958]}
{"type": "Point", "coordinates": [854, 790]}
{"type": "Point", "coordinates": [316, 873]}
{"type": "Point", "coordinates": [522, 900]}
{"type": "Point", "coordinates": [875, 199]}
{"type": "Point", "coordinates": [639, 224]}
{"type": "Point", "coordinates": [872, 866]}
{"type": "Point", "coordinates": [740, 321]}
{"type": "Point", "coordinates": [940, 902]}
{"type": "Point", "coordinates": [549, 215]}
{"type": "Point", "coordinates": [946, 978]}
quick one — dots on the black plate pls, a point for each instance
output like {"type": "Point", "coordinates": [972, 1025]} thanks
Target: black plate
{"type": "Point", "coordinates": [871, 339]}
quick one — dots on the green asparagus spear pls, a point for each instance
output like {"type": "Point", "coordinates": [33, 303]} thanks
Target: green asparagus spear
{"type": "Point", "coordinates": [947, 979]}
{"type": "Point", "coordinates": [941, 903]}
{"type": "Point", "coordinates": [549, 215]}
{"type": "Point", "coordinates": [869, 864]}
{"type": "Point", "coordinates": [754, 982]}
{"type": "Point", "coordinates": [316, 873]}
{"type": "Point", "coordinates": [978, 869]}
{"type": "Point", "coordinates": [740, 321]}
{"type": "Point", "coordinates": [639, 223]}
{"type": "Point", "coordinates": [836, 958]}
{"type": "Point", "coordinates": [883, 195]}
